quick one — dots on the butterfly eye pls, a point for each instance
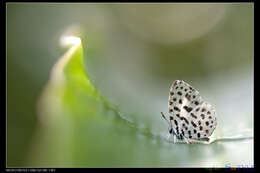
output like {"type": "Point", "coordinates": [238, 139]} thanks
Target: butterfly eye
{"type": "Point", "coordinates": [170, 131]}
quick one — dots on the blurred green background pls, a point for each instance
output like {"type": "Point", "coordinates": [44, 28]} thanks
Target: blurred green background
{"type": "Point", "coordinates": [131, 53]}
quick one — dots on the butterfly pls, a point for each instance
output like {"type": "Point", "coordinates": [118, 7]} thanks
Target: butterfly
{"type": "Point", "coordinates": [191, 118]}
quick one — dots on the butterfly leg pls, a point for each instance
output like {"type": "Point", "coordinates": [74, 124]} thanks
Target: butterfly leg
{"type": "Point", "coordinates": [170, 139]}
{"type": "Point", "coordinates": [174, 139]}
{"type": "Point", "coordinates": [168, 136]}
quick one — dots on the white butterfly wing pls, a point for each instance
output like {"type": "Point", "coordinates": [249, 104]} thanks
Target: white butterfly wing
{"type": "Point", "coordinates": [191, 117]}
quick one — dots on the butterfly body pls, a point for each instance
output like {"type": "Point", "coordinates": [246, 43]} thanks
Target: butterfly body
{"type": "Point", "coordinates": [191, 118]}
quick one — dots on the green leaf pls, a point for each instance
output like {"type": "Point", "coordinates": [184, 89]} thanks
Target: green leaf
{"type": "Point", "coordinates": [78, 127]}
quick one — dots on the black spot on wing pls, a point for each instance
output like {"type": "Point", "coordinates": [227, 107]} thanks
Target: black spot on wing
{"type": "Point", "coordinates": [187, 122]}
{"type": "Point", "coordinates": [182, 132]}
{"type": "Point", "coordinates": [198, 135]}
{"type": "Point", "coordinates": [194, 125]}
{"type": "Point", "coordinates": [177, 130]}
{"type": "Point", "coordinates": [187, 96]}
{"type": "Point", "coordinates": [194, 116]}
{"type": "Point", "coordinates": [176, 108]}
{"type": "Point", "coordinates": [188, 109]}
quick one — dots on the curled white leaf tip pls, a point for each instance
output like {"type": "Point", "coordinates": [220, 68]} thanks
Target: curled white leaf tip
{"type": "Point", "coordinates": [70, 40]}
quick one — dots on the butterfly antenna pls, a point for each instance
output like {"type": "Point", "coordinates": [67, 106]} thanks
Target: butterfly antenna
{"type": "Point", "coordinates": [166, 119]}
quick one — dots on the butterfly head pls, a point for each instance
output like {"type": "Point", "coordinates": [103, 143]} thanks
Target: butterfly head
{"type": "Point", "coordinates": [170, 130]}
